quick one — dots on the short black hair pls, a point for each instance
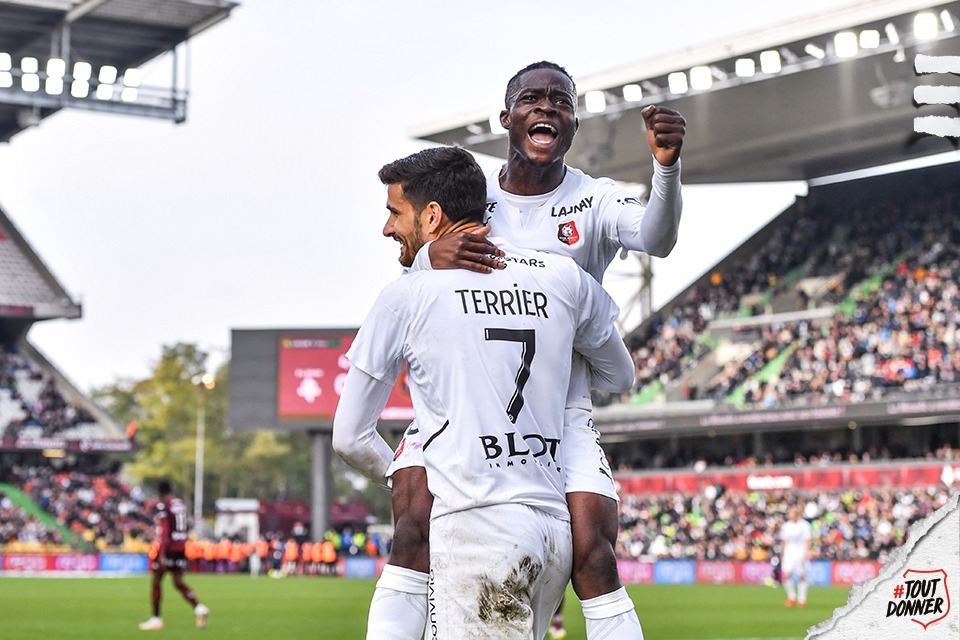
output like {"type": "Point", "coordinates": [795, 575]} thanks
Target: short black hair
{"type": "Point", "coordinates": [449, 176]}
{"type": "Point", "coordinates": [164, 487]}
{"type": "Point", "coordinates": [513, 85]}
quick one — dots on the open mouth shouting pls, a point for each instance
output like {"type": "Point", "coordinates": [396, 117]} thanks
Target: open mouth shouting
{"type": "Point", "coordinates": [542, 134]}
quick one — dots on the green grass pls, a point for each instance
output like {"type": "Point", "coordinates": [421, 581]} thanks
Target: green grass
{"type": "Point", "coordinates": [293, 608]}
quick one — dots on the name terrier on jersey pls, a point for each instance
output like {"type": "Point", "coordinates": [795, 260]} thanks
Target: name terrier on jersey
{"type": "Point", "coordinates": [918, 599]}
{"type": "Point", "coordinates": [504, 302]}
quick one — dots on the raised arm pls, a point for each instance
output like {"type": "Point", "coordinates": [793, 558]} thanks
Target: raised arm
{"type": "Point", "coordinates": [653, 229]}
{"type": "Point", "coordinates": [355, 435]}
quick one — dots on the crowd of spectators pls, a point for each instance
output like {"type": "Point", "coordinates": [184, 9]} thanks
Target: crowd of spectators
{"type": "Point", "coordinates": [99, 510]}
{"type": "Point", "coordinates": [20, 530]}
{"type": "Point", "coordinates": [103, 514]}
{"type": "Point", "coordinates": [30, 402]}
{"type": "Point", "coordinates": [855, 524]}
{"type": "Point", "coordinates": [904, 335]}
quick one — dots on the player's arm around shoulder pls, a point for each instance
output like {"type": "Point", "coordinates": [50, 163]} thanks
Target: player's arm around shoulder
{"type": "Point", "coordinates": [598, 341]}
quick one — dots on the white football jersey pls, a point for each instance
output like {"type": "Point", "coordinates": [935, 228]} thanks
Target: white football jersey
{"type": "Point", "coordinates": [488, 360]}
{"type": "Point", "coordinates": [577, 219]}
{"type": "Point", "coordinates": [795, 536]}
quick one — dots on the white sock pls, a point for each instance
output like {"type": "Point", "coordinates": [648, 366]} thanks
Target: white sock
{"type": "Point", "coordinates": [802, 588]}
{"type": "Point", "coordinates": [398, 610]}
{"type": "Point", "coordinates": [791, 589]}
{"type": "Point", "coordinates": [612, 617]}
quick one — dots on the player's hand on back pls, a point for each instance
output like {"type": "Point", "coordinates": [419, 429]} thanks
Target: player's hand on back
{"type": "Point", "coordinates": [465, 250]}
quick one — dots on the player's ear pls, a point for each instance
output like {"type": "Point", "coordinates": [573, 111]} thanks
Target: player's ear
{"type": "Point", "coordinates": [432, 217]}
{"type": "Point", "coordinates": [505, 119]}
{"type": "Point", "coordinates": [576, 124]}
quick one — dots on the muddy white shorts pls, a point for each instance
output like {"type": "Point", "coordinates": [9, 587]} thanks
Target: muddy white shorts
{"type": "Point", "coordinates": [496, 572]}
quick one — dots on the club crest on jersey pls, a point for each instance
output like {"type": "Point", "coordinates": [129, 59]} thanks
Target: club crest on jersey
{"type": "Point", "coordinates": [567, 233]}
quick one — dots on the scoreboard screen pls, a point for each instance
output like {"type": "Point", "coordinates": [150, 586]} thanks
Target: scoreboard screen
{"type": "Point", "coordinates": [291, 380]}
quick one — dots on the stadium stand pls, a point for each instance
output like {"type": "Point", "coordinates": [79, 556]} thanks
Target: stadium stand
{"type": "Point", "coordinates": [817, 269]}
{"type": "Point", "coordinates": [40, 410]}
{"type": "Point", "coordinates": [853, 524]}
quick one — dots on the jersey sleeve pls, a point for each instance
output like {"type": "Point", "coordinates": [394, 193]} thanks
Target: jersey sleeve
{"type": "Point", "coordinates": [378, 348]}
{"type": "Point", "coordinates": [355, 435]}
{"type": "Point", "coordinates": [611, 365]}
{"type": "Point", "coordinates": [653, 228]}
{"type": "Point", "coordinates": [596, 314]}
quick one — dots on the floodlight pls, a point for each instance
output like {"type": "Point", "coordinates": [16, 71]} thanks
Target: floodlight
{"type": "Point", "coordinates": [56, 68]}
{"type": "Point", "coordinates": [745, 67]}
{"type": "Point", "coordinates": [770, 61]}
{"type": "Point", "coordinates": [82, 71]}
{"type": "Point", "coordinates": [6, 79]}
{"type": "Point", "coordinates": [495, 126]}
{"type": "Point", "coordinates": [108, 74]}
{"type": "Point", "coordinates": [129, 94]}
{"type": "Point", "coordinates": [892, 34]}
{"type": "Point", "coordinates": [595, 101]}
{"type": "Point", "coordinates": [815, 51]}
{"type": "Point", "coordinates": [869, 39]}
{"type": "Point", "coordinates": [925, 26]}
{"type": "Point", "coordinates": [701, 78]}
{"type": "Point", "coordinates": [947, 20]}
{"type": "Point", "coordinates": [104, 91]}
{"type": "Point", "coordinates": [845, 44]}
{"type": "Point", "coordinates": [132, 77]}
{"type": "Point", "coordinates": [79, 89]}
{"type": "Point", "coordinates": [632, 93]}
{"type": "Point", "coordinates": [30, 82]}
{"type": "Point", "coordinates": [677, 82]}
{"type": "Point", "coordinates": [6, 62]}
{"type": "Point", "coordinates": [53, 85]}
{"type": "Point", "coordinates": [29, 65]}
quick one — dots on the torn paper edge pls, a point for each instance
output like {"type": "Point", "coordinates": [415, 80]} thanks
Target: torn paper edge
{"type": "Point", "coordinates": [895, 562]}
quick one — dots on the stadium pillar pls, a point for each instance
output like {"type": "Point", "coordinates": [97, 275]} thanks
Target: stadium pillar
{"type": "Point", "coordinates": [321, 486]}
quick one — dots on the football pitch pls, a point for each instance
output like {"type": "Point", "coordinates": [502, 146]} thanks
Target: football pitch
{"type": "Point", "coordinates": [291, 608]}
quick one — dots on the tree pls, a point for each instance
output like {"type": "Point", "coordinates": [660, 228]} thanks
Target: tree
{"type": "Point", "coordinates": [265, 465]}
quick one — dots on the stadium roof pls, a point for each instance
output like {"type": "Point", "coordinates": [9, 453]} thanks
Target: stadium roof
{"type": "Point", "coordinates": [821, 114]}
{"type": "Point", "coordinates": [119, 33]}
{"type": "Point", "coordinates": [28, 289]}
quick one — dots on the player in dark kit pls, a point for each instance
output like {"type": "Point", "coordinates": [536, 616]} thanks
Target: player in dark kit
{"type": "Point", "coordinates": [171, 518]}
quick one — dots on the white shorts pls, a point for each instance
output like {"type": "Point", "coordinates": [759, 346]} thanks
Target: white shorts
{"type": "Point", "coordinates": [409, 452]}
{"type": "Point", "coordinates": [585, 464]}
{"type": "Point", "coordinates": [497, 572]}
{"type": "Point", "coordinates": [586, 467]}
{"type": "Point", "coordinates": [794, 564]}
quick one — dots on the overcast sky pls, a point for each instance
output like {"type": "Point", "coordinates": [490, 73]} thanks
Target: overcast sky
{"type": "Point", "coordinates": [263, 210]}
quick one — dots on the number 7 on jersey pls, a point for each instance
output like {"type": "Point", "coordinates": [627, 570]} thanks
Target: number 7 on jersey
{"type": "Point", "coordinates": [528, 341]}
